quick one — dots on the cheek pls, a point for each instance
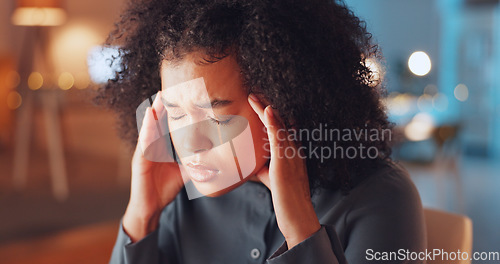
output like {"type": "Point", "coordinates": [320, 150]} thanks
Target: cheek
{"type": "Point", "coordinates": [176, 137]}
{"type": "Point", "coordinates": [250, 145]}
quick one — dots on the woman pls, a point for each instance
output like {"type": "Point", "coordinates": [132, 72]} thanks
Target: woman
{"type": "Point", "coordinates": [274, 115]}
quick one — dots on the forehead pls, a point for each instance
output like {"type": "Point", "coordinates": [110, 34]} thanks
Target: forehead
{"type": "Point", "coordinates": [219, 79]}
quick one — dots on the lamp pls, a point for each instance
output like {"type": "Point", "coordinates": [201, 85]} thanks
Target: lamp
{"type": "Point", "coordinates": [35, 15]}
{"type": "Point", "coordinates": [38, 13]}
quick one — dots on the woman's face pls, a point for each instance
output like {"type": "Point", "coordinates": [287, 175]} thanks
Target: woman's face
{"type": "Point", "coordinates": [220, 140]}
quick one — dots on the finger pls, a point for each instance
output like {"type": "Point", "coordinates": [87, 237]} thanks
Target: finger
{"type": "Point", "coordinates": [160, 113]}
{"type": "Point", "coordinates": [278, 138]}
{"type": "Point", "coordinates": [259, 105]}
{"type": "Point", "coordinates": [157, 105]}
{"type": "Point", "coordinates": [260, 110]}
{"type": "Point", "coordinates": [138, 152]}
{"type": "Point", "coordinates": [149, 130]}
{"type": "Point", "coordinates": [153, 143]}
{"type": "Point", "coordinates": [148, 133]}
{"type": "Point", "coordinates": [295, 143]}
{"type": "Point", "coordinates": [256, 106]}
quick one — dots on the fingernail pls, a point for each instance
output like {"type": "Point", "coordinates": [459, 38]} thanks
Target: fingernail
{"type": "Point", "coordinates": [253, 97]}
{"type": "Point", "coordinates": [269, 111]}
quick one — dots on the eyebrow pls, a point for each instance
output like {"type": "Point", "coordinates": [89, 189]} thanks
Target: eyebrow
{"type": "Point", "coordinates": [216, 103]}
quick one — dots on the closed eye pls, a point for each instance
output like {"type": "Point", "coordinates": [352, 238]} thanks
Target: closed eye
{"type": "Point", "coordinates": [221, 122]}
{"type": "Point", "coordinates": [216, 121]}
{"type": "Point", "coordinates": [176, 117]}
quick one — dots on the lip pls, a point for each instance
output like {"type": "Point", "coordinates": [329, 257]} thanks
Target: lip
{"type": "Point", "coordinates": [200, 172]}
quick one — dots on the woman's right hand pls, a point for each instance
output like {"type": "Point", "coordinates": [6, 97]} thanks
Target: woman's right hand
{"type": "Point", "coordinates": [154, 184]}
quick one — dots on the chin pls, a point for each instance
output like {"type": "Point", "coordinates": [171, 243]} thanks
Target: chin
{"type": "Point", "coordinates": [212, 187]}
{"type": "Point", "coordinates": [213, 191]}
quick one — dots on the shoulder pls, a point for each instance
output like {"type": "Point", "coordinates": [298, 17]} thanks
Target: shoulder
{"type": "Point", "coordinates": [387, 208]}
{"type": "Point", "coordinates": [382, 212]}
{"type": "Point", "coordinates": [388, 186]}
{"type": "Point", "coordinates": [385, 193]}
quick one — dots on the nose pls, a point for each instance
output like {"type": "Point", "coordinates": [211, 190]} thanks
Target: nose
{"type": "Point", "coordinates": [195, 140]}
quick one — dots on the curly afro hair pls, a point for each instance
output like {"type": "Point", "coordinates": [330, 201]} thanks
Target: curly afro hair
{"type": "Point", "coordinates": [306, 57]}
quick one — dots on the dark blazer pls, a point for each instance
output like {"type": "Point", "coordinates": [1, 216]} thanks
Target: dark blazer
{"type": "Point", "coordinates": [383, 213]}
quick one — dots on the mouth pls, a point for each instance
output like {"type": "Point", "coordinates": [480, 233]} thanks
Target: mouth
{"type": "Point", "coordinates": [200, 172]}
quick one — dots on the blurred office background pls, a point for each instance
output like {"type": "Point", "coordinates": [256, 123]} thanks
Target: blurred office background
{"type": "Point", "coordinates": [64, 174]}
{"type": "Point", "coordinates": [442, 62]}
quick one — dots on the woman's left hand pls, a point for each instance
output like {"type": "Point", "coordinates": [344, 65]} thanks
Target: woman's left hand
{"type": "Point", "coordinates": [287, 179]}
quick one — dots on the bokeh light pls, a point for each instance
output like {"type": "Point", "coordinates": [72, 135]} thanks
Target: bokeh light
{"type": "Point", "coordinates": [14, 100]}
{"type": "Point", "coordinates": [419, 63]}
{"type": "Point", "coordinates": [35, 81]}
{"type": "Point", "coordinates": [12, 79]}
{"type": "Point", "coordinates": [70, 46]}
{"type": "Point", "coordinates": [440, 102]}
{"type": "Point", "coordinates": [376, 70]}
{"type": "Point", "coordinates": [100, 63]}
{"type": "Point", "coordinates": [65, 81]}
{"type": "Point", "coordinates": [461, 92]}
{"type": "Point", "coordinates": [424, 102]}
{"type": "Point", "coordinates": [398, 104]}
{"type": "Point", "coordinates": [420, 127]}
{"type": "Point", "coordinates": [430, 89]}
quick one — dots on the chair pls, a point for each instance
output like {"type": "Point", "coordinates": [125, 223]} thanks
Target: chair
{"type": "Point", "coordinates": [449, 232]}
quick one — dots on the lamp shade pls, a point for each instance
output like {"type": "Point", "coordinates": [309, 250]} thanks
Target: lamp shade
{"type": "Point", "coordinates": [39, 3]}
{"type": "Point", "coordinates": [39, 13]}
